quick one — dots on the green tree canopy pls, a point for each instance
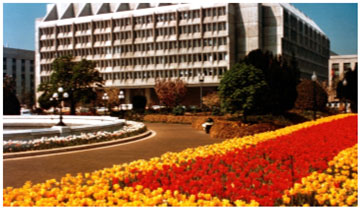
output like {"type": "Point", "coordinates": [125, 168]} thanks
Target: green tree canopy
{"type": "Point", "coordinates": [242, 89]}
{"type": "Point", "coordinates": [281, 78]}
{"type": "Point", "coordinates": [77, 78]}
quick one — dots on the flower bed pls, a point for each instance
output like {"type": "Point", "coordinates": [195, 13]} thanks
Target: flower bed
{"type": "Point", "coordinates": [252, 173]}
{"type": "Point", "coordinates": [251, 170]}
{"type": "Point", "coordinates": [337, 186]}
{"type": "Point", "coordinates": [130, 129]}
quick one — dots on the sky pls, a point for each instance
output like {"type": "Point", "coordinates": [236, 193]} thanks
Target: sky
{"type": "Point", "coordinates": [337, 20]}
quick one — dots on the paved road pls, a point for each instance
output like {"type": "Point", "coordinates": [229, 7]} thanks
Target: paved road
{"type": "Point", "coordinates": [169, 138]}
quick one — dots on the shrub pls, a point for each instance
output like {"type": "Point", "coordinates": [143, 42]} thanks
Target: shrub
{"type": "Point", "coordinates": [216, 111]}
{"type": "Point", "coordinates": [170, 118]}
{"type": "Point", "coordinates": [305, 98]}
{"type": "Point", "coordinates": [227, 129]}
{"type": "Point", "coordinates": [242, 89]}
{"type": "Point", "coordinates": [178, 110]}
{"type": "Point", "coordinates": [11, 103]}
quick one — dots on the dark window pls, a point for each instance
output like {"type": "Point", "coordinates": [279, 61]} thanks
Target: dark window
{"type": "Point", "coordinates": [346, 66]}
{"type": "Point", "coordinates": [285, 18]}
{"type": "Point", "coordinates": [335, 69]}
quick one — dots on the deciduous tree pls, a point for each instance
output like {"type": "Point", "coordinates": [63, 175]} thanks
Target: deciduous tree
{"type": "Point", "coordinates": [211, 100]}
{"type": "Point", "coordinates": [77, 78]}
{"type": "Point", "coordinates": [170, 93]}
{"type": "Point", "coordinates": [243, 89]}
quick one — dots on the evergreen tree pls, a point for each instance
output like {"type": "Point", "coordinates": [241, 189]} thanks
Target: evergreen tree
{"type": "Point", "coordinates": [281, 78]}
{"type": "Point", "coordinates": [349, 92]}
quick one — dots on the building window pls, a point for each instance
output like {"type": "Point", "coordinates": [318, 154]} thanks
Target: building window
{"type": "Point", "coordinates": [335, 69]}
{"type": "Point", "coordinates": [300, 27]}
{"type": "Point", "coordinates": [285, 18]}
{"type": "Point", "coordinates": [293, 22]}
{"type": "Point", "coordinates": [221, 11]}
{"type": "Point", "coordinates": [286, 31]}
{"type": "Point", "coordinates": [293, 36]}
{"type": "Point", "coordinates": [346, 67]}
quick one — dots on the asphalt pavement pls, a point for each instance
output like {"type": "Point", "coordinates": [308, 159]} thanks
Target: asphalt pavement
{"type": "Point", "coordinates": [168, 138]}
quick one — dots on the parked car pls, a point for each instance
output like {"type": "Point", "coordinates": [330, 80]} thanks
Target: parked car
{"type": "Point", "coordinates": [25, 112]}
{"type": "Point", "coordinates": [102, 109]}
{"type": "Point", "coordinates": [333, 104]}
{"type": "Point", "coordinates": [126, 106]}
{"type": "Point", "coordinates": [157, 107]}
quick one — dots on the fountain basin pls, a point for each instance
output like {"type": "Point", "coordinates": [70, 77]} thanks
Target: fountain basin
{"type": "Point", "coordinates": [75, 125]}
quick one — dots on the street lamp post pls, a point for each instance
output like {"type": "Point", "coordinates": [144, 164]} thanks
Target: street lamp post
{"type": "Point", "coordinates": [121, 97]}
{"type": "Point", "coordinates": [105, 98]}
{"type": "Point", "coordinates": [345, 84]}
{"type": "Point", "coordinates": [60, 96]}
{"type": "Point", "coordinates": [314, 79]}
{"type": "Point", "coordinates": [201, 80]}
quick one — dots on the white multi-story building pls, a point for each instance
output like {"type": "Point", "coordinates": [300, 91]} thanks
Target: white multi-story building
{"type": "Point", "coordinates": [19, 64]}
{"type": "Point", "coordinates": [134, 44]}
{"type": "Point", "coordinates": [338, 66]}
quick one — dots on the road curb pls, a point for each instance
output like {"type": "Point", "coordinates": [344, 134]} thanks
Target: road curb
{"type": "Point", "coordinates": [76, 148]}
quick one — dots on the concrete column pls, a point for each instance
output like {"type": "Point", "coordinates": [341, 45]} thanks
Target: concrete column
{"type": "Point", "coordinates": [18, 79]}
{"type": "Point", "coordinates": [127, 96]}
{"type": "Point", "coordinates": [148, 95]}
{"type": "Point", "coordinates": [27, 76]}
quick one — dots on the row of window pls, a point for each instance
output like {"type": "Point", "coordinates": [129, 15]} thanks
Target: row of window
{"type": "Point", "coordinates": [290, 21]}
{"type": "Point", "coordinates": [336, 67]}
{"type": "Point", "coordinates": [151, 60]}
{"type": "Point", "coordinates": [144, 47]}
{"type": "Point", "coordinates": [192, 14]}
{"type": "Point", "coordinates": [198, 57]}
{"type": "Point", "coordinates": [304, 53]}
{"type": "Point", "coordinates": [64, 29]}
{"type": "Point", "coordinates": [306, 42]}
{"type": "Point", "coordinates": [137, 34]}
{"type": "Point", "coordinates": [47, 43]}
{"type": "Point", "coordinates": [14, 65]}
{"type": "Point", "coordinates": [157, 74]}
{"type": "Point", "coordinates": [163, 74]}
{"type": "Point", "coordinates": [293, 34]}
{"type": "Point", "coordinates": [220, 26]}
{"type": "Point", "coordinates": [14, 61]}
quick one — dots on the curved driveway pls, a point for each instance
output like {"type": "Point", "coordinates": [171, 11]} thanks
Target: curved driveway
{"type": "Point", "coordinates": [168, 138]}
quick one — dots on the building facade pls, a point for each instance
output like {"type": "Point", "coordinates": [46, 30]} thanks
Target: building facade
{"type": "Point", "coordinates": [338, 66]}
{"type": "Point", "coordinates": [19, 64]}
{"type": "Point", "coordinates": [133, 45]}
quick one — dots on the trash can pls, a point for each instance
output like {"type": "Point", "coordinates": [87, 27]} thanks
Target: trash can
{"type": "Point", "coordinates": [207, 125]}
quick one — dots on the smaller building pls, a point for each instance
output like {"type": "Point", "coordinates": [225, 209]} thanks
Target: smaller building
{"type": "Point", "coordinates": [19, 64]}
{"type": "Point", "coordinates": [337, 67]}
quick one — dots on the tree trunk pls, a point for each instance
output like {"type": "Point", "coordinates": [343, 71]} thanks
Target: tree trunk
{"type": "Point", "coordinates": [72, 105]}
